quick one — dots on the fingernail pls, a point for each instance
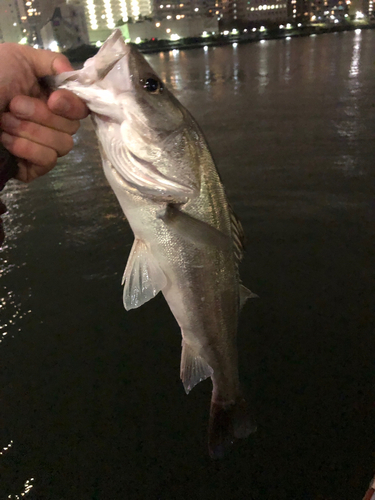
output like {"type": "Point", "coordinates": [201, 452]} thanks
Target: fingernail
{"type": "Point", "coordinates": [61, 105]}
{"type": "Point", "coordinates": [6, 139]}
{"type": "Point", "coordinates": [23, 107]}
{"type": "Point", "coordinates": [9, 121]}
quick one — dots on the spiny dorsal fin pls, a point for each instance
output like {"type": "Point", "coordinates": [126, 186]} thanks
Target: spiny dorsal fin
{"type": "Point", "coordinates": [238, 235]}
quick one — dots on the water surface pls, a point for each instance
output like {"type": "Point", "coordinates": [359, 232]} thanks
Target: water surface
{"type": "Point", "coordinates": [91, 406]}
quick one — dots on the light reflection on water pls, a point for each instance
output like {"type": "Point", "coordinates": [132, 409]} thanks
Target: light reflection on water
{"type": "Point", "coordinates": [26, 490]}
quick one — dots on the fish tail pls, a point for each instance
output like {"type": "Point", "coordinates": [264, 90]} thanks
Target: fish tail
{"type": "Point", "coordinates": [228, 423]}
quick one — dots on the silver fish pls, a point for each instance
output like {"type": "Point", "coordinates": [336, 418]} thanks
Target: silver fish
{"type": "Point", "coordinates": [188, 242]}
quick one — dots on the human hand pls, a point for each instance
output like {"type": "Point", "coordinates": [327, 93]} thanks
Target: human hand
{"type": "Point", "coordinates": [36, 128]}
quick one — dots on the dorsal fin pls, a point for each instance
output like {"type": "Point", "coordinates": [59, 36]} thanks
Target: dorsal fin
{"type": "Point", "coordinates": [238, 235]}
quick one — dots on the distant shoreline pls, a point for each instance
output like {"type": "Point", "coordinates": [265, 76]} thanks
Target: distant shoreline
{"type": "Point", "coordinates": [219, 40]}
{"type": "Point", "coordinates": [82, 53]}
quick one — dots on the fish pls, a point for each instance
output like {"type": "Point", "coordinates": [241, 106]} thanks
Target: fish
{"type": "Point", "coordinates": [188, 242]}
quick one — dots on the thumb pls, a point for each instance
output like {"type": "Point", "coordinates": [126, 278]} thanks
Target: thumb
{"type": "Point", "coordinates": [45, 62]}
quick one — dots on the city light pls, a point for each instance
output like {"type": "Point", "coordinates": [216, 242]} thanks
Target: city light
{"type": "Point", "coordinates": [53, 46]}
{"type": "Point", "coordinates": [109, 15]}
{"type": "Point", "coordinates": [359, 15]}
{"type": "Point", "coordinates": [138, 39]}
{"type": "Point", "coordinates": [175, 37]}
{"type": "Point", "coordinates": [23, 41]}
{"type": "Point", "coordinates": [135, 9]}
{"type": "Point", "coordinates": [124, 10]}
{"type": "Point", "coordinates": [92, 16]}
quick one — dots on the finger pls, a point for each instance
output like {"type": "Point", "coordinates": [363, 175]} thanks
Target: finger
{"type": "Point", "coordinates": [35, 110]}
{"type": "Point", "coordinates": [61, 142]}
{"type": "Point", "coordinates": [45, 62]}
{"type": "Point", "coordinates": [42, 156]}
{"type": "Point", "coordinates": [28, 171]}
{"type": "Point", "coordinates": [67, 104]}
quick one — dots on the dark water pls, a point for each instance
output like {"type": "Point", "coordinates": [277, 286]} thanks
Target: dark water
{"type": "Point", "coordinates": [91, 403]}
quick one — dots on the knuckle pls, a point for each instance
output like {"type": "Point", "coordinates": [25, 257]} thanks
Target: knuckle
{"type": "Point", "coordinates": [50, 159]}
{"type": "Point", "coordinates": [22, 148]}
{"type": "Point", "coordinates": [34, 153]}
{"type": "Point", "coordinates": [67, 146]}
{"type": "Point", "coordinates": [75, 126]}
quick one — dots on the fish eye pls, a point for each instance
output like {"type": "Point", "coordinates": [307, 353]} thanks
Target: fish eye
{"type": "Point", "coordinates": [152, 85]}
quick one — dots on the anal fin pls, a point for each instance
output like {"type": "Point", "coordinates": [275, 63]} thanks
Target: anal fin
{"type": "Point", "coordinates": [143, 277]}
{"type": "Point", "coordinates": [194, 368]}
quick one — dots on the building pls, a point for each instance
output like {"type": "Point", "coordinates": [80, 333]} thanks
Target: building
{"type": "Point", "coordinates": [300, 10]}
{"type": "Point", "coordinates": [66, 29]}
{"type": "Point", "coordinates": [162, 9]}
{"type": "Point", "coordinates": [170, 29]}
{"type": "Point", "coordinates": [231, 10]}
{"type": "Point", "coordinates": [22, 19]}
{"type": "Point", "coordinates": [317, 11]}
{"type": "Point", "coordinates": [104, 15]}
{"type": "Point", "coordinates": [254, 11]}
{"type": "Point", "coordinates": [264, 11]}
{"type": "Point", "coordinates": [361, 8]}
{"type": "Point", "coordinates": [11, 24]}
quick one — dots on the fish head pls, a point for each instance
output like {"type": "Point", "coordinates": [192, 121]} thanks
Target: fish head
{"type": "Point", "coordinates": [155, 130]}
{"type": "Point", "coordinates": [140, 93]}
{"type": "Point", "coordinates": [141, 126]}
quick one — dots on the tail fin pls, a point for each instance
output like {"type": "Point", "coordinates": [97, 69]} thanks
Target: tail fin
{"type": "Point", "coordinates": [228, 423]}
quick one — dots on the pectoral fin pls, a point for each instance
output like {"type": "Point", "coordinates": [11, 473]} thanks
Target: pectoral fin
{"type": "Point", "coordinates": [194, 368]}
{"type": "Point", "coordinates": [143, 277]}
{"type": "Point", "coordinates": [196, 231]}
